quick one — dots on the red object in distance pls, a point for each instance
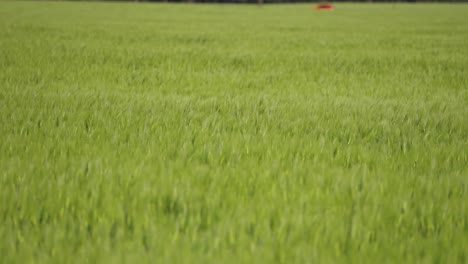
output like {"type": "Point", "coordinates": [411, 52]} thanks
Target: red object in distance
{"type": "Point", "coordinates": [326, 7]}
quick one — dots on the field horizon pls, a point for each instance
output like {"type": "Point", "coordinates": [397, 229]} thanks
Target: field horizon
{"type": "Point", "coordinates": [211, 133]}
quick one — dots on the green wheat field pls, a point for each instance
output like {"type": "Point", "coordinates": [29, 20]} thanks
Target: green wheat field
{"type": "Point", "coordinates": [192, 133]}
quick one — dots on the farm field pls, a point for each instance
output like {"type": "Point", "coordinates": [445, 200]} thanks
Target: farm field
{"type": "Point", "coordinates": [178, 133]}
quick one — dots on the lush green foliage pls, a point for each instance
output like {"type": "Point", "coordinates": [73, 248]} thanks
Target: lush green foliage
{"type": "Point", "coordinates": [230, 134]}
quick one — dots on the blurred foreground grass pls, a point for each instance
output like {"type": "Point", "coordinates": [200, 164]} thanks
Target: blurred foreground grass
{"type": "Point", "coordinates": [232, 134]}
